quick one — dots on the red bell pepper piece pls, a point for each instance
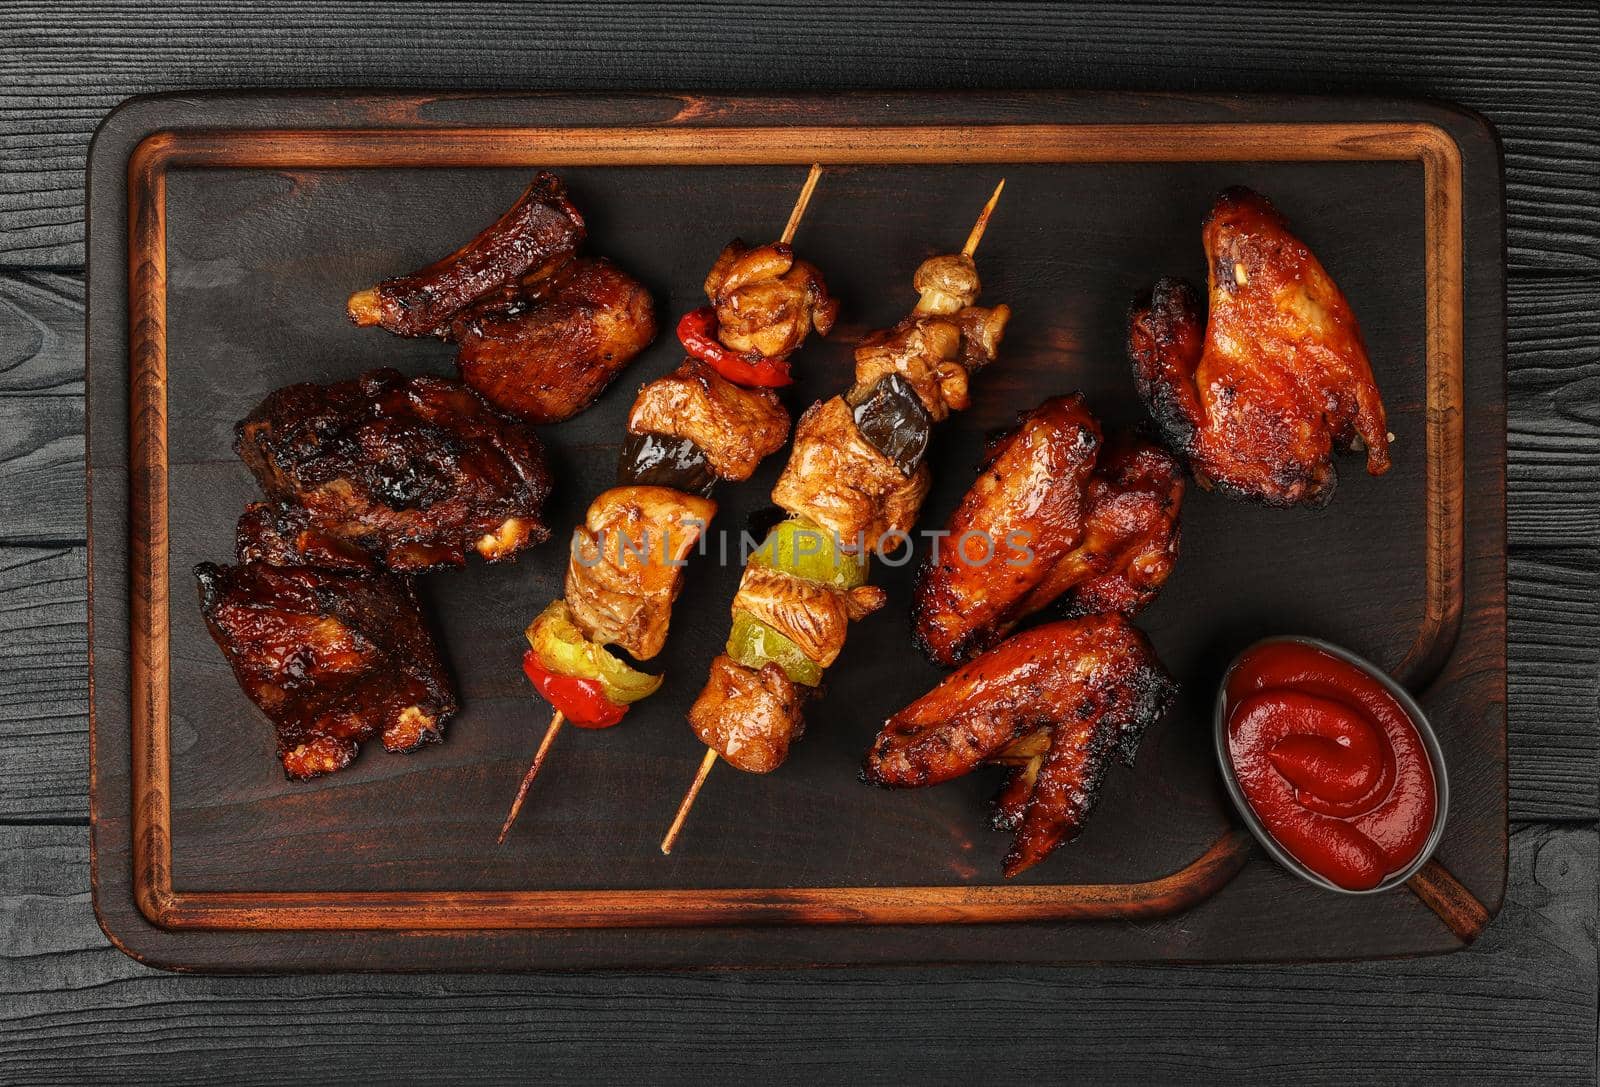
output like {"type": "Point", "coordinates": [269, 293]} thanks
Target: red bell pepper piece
{"type": "Point", "coordinates": [697, 332]}
{"type": "Point", "coordinates": [581, 701]}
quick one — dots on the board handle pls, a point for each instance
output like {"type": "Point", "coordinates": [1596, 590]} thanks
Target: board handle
{"type": "Point", "coordinates": [1456, 906]}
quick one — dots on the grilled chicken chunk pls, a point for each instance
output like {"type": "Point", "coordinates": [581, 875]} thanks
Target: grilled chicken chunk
{"type": "Point", "coordinates": [766, 300]}
{"type": "Point", "coordinates": [840, 482]}
{"type": "Point", "coordinates": [416, 470]}
{"type": "Point", "coordinates": [1023, 515]}
{"type": "Point", "coordinates": [1056, 702]}
{"type": "Point", "coordinates": [541, 229]}
{"type": "Point", "coordinates": [751, 717]}
{"type": "Point", "coordinates": [627, 564]}
{"type": "Point", "coordinates": [734, 426]}
{"type": "Point", "coordinates": [1259, 395]}
{"type": "Point", "coordinates": [545, 347]}
{"type": "Point", "coordinates": [334, 657]}
{"type": "Point", "coordinates": [813, 616]}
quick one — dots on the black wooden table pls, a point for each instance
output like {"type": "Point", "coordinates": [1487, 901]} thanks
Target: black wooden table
{"type": "Point", "coordinates": [1520, 1005]}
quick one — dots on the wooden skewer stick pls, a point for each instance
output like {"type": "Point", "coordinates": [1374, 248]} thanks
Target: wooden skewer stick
{"type": "Point", "coordinates": [968, 249]}
{"type": "Point", "coordinates": [800, 204]}
{"type": "Point", "coordinates": [983, 221]}
{"type": "Point", "coordinates": [533, 771]}
{"type": "Point", "coordinates": [556, 722]}
{"type": "Point", "coordinates": [688, 800]}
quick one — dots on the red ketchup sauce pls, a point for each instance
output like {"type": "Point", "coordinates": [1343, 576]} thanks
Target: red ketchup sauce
{"type": "Point", "coordinates": [1330, 762]}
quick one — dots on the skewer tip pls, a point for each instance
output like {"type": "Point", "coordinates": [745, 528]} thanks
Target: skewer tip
{"type": "Point", "coordinates": [800, 203]}
{"type": "Point", "coordinates": [983, 221]}
{"type": "Point", "coordinates": [706, 763]}
{"type": "Point", "coordinates": [533, 771]}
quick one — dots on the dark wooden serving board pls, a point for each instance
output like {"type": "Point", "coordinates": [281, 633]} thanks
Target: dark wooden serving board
{"type": "Point", "coordinates": [225, 232]}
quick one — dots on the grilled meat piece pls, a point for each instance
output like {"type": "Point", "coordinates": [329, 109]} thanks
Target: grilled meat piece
{"type": "Point", "coordinates": [837, 480]}
{"type": "Point", "coordinates": [734, 426]}
{"type": "Point", "coordinates": [544, 348]}
{"type": "Point", "coordinates": [1059, 700]}
{"type": "Point", "coordinates": [751, 717]}
{"type": "Point", "coordinates": [1259, 395]}
{"type": "Point", "coordinates": [626, 566]}
{"type": "Point", "coordinates": [812, 615]}
{"type": "Point", "coordinates": [332, 657]}
{"type": "Point", "coordinates": [1130, 535]}
{"type": "Point", "coordinates": [1023, 515]}
{"type": "Point", "coordinates": [416, 470]}
{"type": "Point", "coordinates": [766, 300]}
{"type": "Point", "coordinates": [541, 229]}
{"type": "Point", "coordinates": [281, 537]}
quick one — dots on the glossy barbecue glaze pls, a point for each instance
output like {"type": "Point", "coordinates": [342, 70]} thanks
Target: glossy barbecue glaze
{"type": "Point", "coordinates": [1261, 393]}
{"type": "Point", "coordinates": [420, 471]}
{"type": "Point", "coordinates": [1055, 702]}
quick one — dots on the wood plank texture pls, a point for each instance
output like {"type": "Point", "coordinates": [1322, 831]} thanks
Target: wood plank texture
{"type": "Point", "coordinates": [1534, 73]}
{"type": "Point", "coordinates": [1518, 1008]}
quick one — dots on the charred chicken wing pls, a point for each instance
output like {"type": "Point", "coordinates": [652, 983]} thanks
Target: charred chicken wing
{"type": "Point", "coordinates": [546, 347]}
{"type": "Point", "coordinates": [1055, 703]}
{"type": "Point", "coordinates": [1025, 512]}
{"type": "Point", "coordinates": [417, 470]}
{"type": "Point", "coordinates": [1260, 394]}
{"type": "Point", "coordinates": [541, 229]}
{"type": "Point", "coordinates": [333, 657]}
{"type": "Point", "coordinates": [1130, 534]}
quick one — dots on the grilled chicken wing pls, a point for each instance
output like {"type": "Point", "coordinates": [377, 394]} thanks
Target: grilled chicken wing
{"type": "Point", "coordinates": [836, 479]}
{"type": "Point", "coordinates": [417, 470]}
{"type": "Point", "coordinates": [1023, 515]}
{"type": "Point", "coordinates": [1130, 534]}
{"type": "Point", "coordinates": [766, 300]}
{"type": "Point", "coordinates": [1055, 701]}
{"type": "Point", "coordinates": [735, 427]}
{"type": "Point", "coordinates": [627, 564]}
{"type": "Point", "coordinates": [541, 229]}
{"type": "Point", "coordinates": [547, 346]}
{"type": "Point", "coordinates": [333, 657]}
{"type": "Point", "coordinates": [751, 717]}
{"type": "Point", "coordinates": [1260, 395]}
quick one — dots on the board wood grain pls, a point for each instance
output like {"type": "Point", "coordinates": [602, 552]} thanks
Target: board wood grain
{"type": "Point", "coordinates": [832, 130]}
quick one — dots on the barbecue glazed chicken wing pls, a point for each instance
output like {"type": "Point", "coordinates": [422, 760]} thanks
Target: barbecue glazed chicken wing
{"type": "Point", "coordinates": [766, 301]}
{"type": "Point", "coordinates": [540, 331]}
{"type": "Point", "coordinates": [1054, 703]}
{"type": "Point", "coordinates": [416, 470]}
{"type": "Point", "coordinates": [1056, 514]}
{"type": "Point", "coordinates": [545, 348]}
{"type": "Point", "coordinates": [1259, 395]}
{"type": "Point", "coordinates": [541, 229]}
{"type": "Point", "coordinates": [1130, 534]}
{"type": "Point", "coordinates": [333, 656]}
{"type": "Point", "coordinates": [1029, 494]}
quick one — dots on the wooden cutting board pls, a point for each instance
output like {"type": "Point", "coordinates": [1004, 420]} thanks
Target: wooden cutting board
{"type": "Point", "coordinates": [225, 232]}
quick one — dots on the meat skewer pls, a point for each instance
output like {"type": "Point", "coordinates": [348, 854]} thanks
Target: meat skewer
{"type": "Point", "coordinates": [856, 475]}
{"type": "Point", "coordinates": [715, 417]}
